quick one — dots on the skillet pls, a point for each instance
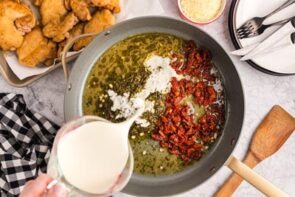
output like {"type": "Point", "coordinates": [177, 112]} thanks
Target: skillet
{"type": "Point", "coordinates": [167, 185]}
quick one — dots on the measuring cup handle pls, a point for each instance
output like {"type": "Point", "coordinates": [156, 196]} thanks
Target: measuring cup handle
{"type": "Point", "coordinates": [253, 178]}
{"type": "Point", "coordinates": [68, 47]}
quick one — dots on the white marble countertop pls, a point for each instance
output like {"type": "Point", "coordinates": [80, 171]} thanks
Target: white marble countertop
{"type": "Point", "coordinates": [262, 91]}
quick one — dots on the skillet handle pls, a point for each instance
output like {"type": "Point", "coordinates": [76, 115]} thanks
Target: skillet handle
{"type": "Point", "coordinates": [253, 178]}
{"type": "Point", "coordinates": [68, 47]}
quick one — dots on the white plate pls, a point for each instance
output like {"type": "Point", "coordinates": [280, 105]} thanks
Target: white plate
{"type": "Point", "coordinates": [282, 61]}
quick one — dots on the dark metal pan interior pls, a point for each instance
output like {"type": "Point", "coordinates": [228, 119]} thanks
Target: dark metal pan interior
{"type": "Point", "coordinates": [208, 165]}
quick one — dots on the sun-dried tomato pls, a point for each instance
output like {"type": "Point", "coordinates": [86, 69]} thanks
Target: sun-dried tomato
{"type": "Point", "coordinates": [174, 151]}
{"type": "Point", "coordinates": [177, 129]}
{"type": "Point", "coordinates": [157, 137]}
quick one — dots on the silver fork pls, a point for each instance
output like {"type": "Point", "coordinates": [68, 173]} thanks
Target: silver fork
{"type": "Point", "coordinates": [248, 33]}
{"type": "Point", "coordinates": [252, 25]}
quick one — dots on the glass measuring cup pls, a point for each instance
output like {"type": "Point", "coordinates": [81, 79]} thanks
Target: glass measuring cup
{"type": "Point", "coordinates": [54, 170]}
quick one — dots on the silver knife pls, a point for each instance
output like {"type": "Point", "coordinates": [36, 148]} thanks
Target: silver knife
{"type": "Point", "coordinates": [270, 41]}
{"type": "Point", "coordinates": [284, 42]}
{"type": "Point", "coordinates": [243, 51]}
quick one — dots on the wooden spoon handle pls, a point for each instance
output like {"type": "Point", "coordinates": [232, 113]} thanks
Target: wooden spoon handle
{"type": "Point", "coordinates": [254, 179]}
{"type": "Point", "coordinates": [233, 182]}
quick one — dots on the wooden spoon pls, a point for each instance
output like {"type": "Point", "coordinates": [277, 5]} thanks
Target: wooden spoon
{"type": "Point", "coordinates": [270, 135]}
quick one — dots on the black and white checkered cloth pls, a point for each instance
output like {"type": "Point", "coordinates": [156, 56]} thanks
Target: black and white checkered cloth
{"type": "Point", "coordinates": [26, 138]}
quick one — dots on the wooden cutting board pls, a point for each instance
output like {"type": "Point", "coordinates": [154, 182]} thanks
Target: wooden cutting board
{"type": "Point", "coordinates": [270, 135]}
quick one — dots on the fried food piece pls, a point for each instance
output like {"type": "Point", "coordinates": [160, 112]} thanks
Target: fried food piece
{"type": "Point", "coordinates": [60, 31]}
{"type": "Point", "coordinates": [67, 4]}
{"type": "Point", "coordinates": [113, 5]}
{"type": "Point", "coordinates": [100, 3]}
{"type": "Point", "coordinates": [81, 9]}
{"type": "Point", "coordinates": [52, 11]}
{"type": "Point", "coordinates": [16, 19]}
{"type": "Point", "coordinates": [99, 22]}
{"type": "Point", "coordinates": [38, 2]}
{"type": "Point", "coordinates": [36, 49]}
{"type": "Point", "coordinates": [77, 30]}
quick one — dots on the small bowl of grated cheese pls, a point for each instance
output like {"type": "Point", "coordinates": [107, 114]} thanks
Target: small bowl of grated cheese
{"type": "Point", "coordinates": [201, 11]}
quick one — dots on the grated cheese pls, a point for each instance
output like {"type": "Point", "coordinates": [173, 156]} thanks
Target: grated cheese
{"type": "Point", "coordinates": [201, 10]}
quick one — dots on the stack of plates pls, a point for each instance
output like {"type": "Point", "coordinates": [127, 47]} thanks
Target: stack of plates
{"type": "Point", "coordinates": [241, 11]}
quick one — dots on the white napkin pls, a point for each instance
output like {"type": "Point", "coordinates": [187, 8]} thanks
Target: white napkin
{"type": "Point", "coordinates": [129, 9]}
{"type": "Point", "coordinates": [272, 41]}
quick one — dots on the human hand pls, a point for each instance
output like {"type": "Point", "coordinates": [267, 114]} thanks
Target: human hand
{"type": "Point", "coordinates": [38, 188]}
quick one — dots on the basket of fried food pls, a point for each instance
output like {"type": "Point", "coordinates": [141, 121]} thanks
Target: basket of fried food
{"type": "Point", "coordinates": [37, 31]}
